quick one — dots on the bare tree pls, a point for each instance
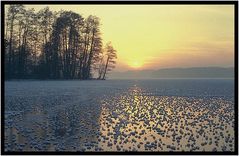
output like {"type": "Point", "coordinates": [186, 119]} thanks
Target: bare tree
{"type": "Point", "coordinates": [53, 45]}
{"type": "Point", "coordinates": [12, 14]}
{"type": "Point", "coordinates": [110, 61]}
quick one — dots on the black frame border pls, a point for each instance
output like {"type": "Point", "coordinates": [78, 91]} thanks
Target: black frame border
{"type": "Point", "coordinates": [234, 3]}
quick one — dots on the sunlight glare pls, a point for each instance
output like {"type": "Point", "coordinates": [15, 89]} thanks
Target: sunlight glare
{"type": "Point", "coordinates": [135, 64]}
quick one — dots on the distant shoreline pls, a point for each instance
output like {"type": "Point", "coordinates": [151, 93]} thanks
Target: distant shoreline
{"type": "Point", "coordinates": [182, 73]}
{"type": "Point", "coordinates": [166, 73]}
{"type": "Point", "coordinates": [11, 80]}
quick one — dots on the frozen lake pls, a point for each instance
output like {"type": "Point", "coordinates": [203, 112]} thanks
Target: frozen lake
{"type": "Point", "coordinates": [120, 115]}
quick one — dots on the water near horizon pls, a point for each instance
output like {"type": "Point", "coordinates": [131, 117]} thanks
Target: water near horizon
{"type": "Point", "coordinates": [120, 115]}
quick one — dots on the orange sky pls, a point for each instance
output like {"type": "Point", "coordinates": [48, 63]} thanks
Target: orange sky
{"type": "Point", "coordinates": [160, 36]}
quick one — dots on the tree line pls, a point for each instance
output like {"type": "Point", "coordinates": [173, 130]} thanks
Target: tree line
{"type": "Point", "coordinates": [54, 45]}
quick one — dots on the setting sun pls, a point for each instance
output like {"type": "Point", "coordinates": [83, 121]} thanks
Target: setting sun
{"type": "Point", "coordinates": [135, 64]}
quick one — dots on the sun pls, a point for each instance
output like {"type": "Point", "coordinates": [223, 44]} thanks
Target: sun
{"type": "Point", "coordinates": [135, 64]}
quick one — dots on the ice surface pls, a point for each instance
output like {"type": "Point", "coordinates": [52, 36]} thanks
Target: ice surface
{"type": "Point", "coordinates": [119, 115]}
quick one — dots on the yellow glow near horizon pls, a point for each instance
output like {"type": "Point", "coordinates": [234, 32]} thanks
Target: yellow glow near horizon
{"type": "Point", "coordinates": [135, 64]}
{"type": "Point", "coordinates": [164, 36]}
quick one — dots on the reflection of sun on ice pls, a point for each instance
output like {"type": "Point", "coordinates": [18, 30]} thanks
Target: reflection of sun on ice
{"type": "Point", "coordinates": [135, 64]}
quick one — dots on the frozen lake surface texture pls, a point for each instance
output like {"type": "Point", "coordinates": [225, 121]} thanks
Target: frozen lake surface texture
{"type": "Point", "coordinates": [120, 115]}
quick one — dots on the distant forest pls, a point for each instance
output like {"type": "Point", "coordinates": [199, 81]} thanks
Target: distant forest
{"type": "Point", "coordinates": [54, 45]}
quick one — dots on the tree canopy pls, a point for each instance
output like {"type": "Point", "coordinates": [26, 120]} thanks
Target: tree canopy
{"type": "Point", "coordinates": [54, 45]}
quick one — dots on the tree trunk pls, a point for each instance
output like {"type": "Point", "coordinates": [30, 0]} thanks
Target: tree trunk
{"type": "Point", "coordinates": [90, 55]}
{"type": "Point", "coordinates": [10, 48]}
{"type": "Point", "coordinates": [106, 65]}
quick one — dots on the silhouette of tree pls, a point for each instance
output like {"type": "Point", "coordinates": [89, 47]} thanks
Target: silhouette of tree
{"type": "Point", "coordinates": [12, 15]}
{"type": "Point", "coordinates": [110, 61]}
{"type": "Point", "coordinates": [53, 45]}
